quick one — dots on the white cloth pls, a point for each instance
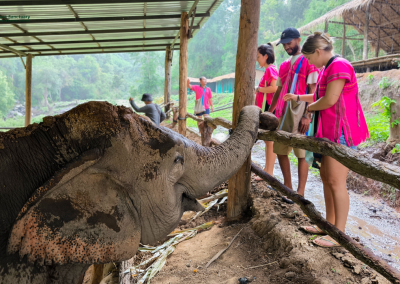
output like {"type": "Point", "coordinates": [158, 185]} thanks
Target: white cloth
{"type": "Point", "coordinates": [311, 79]}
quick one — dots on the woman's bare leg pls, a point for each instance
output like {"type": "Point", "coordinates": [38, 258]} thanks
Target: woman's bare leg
{"type": "Point", "coordinates": [329, 205]}
{"type": "Point", "coordinates": [270, 158]}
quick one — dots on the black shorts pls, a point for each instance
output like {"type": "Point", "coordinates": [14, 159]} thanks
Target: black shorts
{"type": "Point", "coordinates": [267, 107]}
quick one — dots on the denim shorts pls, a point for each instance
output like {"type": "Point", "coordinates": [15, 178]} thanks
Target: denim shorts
{"type": "Point", "coordinates": [207, 111]}
{"type": "Point", "coordinates": [343, 142]}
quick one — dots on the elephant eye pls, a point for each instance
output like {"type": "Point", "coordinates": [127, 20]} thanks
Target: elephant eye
{"type": "Point", "coordinates": [178, 159]}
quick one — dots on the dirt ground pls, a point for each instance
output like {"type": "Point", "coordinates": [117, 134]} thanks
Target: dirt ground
{"type": "Point", "coordinates": [270, 248]}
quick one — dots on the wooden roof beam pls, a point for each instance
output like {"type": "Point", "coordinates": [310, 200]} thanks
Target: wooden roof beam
{"type": "Point", "coordinates": [74, 2]}
{"type": "Point", "coordinates": [100, 19]}
{"type": "Point", "coordinates": [94, 32]}
{"type": "Point", "coordinates": [88, 41]}
{"type": "Point", "coordinates": [94, 52]}
{"type": "Point", "coordinates": [94, 48]}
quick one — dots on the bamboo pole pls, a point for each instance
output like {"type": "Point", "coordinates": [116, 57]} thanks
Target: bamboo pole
{"type": "Point", "coordinates": [239, 184]}
{"type": "Point", "coordinates": [183, 73]}
{"type": "Point", "coordinates": [366, 30]}
{"type": "Point", "coordinates": [343, 40]}
{"type": "Point", "coordinates": [167, 82]}
{"type": "Point", "coordinates": [28, 90]}
{"type": "Point", "coordinates": [378, 41]}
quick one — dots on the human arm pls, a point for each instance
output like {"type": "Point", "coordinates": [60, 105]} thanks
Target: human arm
{"type": "Point", "coordinates": [188, 85]}
{"type": "Point", "coordinates": [211, 104]}
{"type": "Point", "coordinates": [275, 99]}
{"type": "Point", "coordinates": [333, 92]}
{"type": "Point", "coordinates": [304, 98]}
{"type": "Point", "coordinates": [139, 109]}
{"type": "Point", "coordinates": [267, 90]}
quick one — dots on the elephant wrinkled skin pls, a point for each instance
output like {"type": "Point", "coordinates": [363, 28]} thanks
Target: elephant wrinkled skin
{"type": "Point", "coordinates": [88, 185]}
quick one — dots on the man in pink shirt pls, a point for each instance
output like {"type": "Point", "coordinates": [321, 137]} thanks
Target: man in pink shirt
{"type": "Point", "coordinates": [200, 91]}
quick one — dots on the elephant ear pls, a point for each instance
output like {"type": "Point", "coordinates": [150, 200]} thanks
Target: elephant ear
{"type": "Point", "coordinates": [86, 217]}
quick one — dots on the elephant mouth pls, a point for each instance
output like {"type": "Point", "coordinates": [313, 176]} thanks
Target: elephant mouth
{"type": "Point", "coordinates": [190, 203]}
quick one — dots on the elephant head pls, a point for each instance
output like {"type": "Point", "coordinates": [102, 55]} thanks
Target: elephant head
{"type": "Point", "coordinates": [88, 185]}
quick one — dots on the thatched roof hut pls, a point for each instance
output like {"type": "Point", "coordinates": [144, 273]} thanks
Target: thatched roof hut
{"type": "Point", "coordinates": [383, 21]}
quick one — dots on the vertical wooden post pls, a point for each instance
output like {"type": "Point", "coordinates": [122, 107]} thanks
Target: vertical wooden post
{"type": "Point", "coordinates": [239, 184]}
{"type": "Point", "coordinates": [183, 73]}
{"type": "Point", "coordinates": [343, 38]}
{"type": "Point", "coordinates": [378, 41]}
{"type": "Point", "coordinates": [366, 30]}
{"type": "Point", "coordinates": [394, 131]}
{"type": "Point", "coordinates": [167, 82]}
{"type": "Point", "coordinates": [326, 26]}
{"type": "Point", "coordinates": [28, 90]}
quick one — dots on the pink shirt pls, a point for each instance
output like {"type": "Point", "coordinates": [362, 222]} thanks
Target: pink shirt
{"type": "Point", "coordinates": [199, 93]}
{"type": "Point", "coordinates": [271, 73]}
{"type": "Point", "coordinates": [346, 115]}
{"type": "Point", "coordinates": [286, 75]}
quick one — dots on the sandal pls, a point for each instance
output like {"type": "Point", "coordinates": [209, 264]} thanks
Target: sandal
{"type": "Point", "coordinates": [328, 239]}
{"type": "Point", "coordinates": [315, 230]}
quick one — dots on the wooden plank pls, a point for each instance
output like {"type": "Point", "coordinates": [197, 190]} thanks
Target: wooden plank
{"type": "Point", "coordinates": [183, 73]}
{"type": "Point", "coordinates": [167, 80]}
{"type": "Point", "coordinates": [239, 184]}
{"type": "Point", "coordinates": [28, 90]}
{"type": "Point", "coordinates": [74, 2]}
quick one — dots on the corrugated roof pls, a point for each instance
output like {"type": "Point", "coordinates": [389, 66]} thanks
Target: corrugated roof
{"type": "Point", "coordinates": [56, 27]}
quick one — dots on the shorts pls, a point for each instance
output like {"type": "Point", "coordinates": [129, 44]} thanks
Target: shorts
{"type": "Point", "coordinates": [267, 107]}
{"type": "Point", "coordinates": [207, 111]}
{"type": "Point", "coordinates": [284, 150]}
{"type": "Point", "coordinates": [342, 141]}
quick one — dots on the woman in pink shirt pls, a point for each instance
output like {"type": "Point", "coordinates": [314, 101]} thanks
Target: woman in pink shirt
{"type": "Point", "coordinates": [341, 120]}
{"type": "Point", "coordinates": [264, 94]}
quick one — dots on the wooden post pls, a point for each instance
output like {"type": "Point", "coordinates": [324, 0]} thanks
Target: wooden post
{"type": "Point", "coordinates": [344, 38]}
{"type": "Point", "coordinates": [239, 184]}
{"type": "Point", "coordinates": [28, 90]}
{"type": "Point", "coordinates": [394, 129]}
{"type": "Point", "coordinates": [326, 26]}
{"type": "Point", "coordinates": [167, 82]}
{"type": "Point", "coordinates": [183, 73]}
{"type": "Point", "coordinates": [378, 41]}
{"type": "Point", "coordinates": [366, 28]}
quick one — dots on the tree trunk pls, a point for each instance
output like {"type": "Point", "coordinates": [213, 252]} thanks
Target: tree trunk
{"type": "Point", "coordinates": [394, 135]}
{"type": "Point", "coordinates": [45, 95]}
{"type": "Point", "coordinates": [167, 82]}
{"type": "Point", "coordinates": [183, 73]}
{"type": "Point", "coordinates": [28, 90]}
{"type": "Point", "coordinates": [239, 184]}
{"type": "Point", "coordinates": [206, 131]}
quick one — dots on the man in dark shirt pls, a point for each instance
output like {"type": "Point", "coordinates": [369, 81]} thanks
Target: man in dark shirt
{"type": "Point", "coordinates": [152, 111]}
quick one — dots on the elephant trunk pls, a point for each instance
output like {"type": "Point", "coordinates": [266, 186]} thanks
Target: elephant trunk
{"type": "Point", "coordinates": [212, 166]}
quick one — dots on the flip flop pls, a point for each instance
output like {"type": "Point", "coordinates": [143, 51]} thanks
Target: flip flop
{"type": "Point", "coordinates": [333, 242]}
{"type": "Point", "coordinates": [271, 188]}
{"type": "Point", "coordinates": [317, 231]}
{"type": "Point", "coordinates": [287, 200]}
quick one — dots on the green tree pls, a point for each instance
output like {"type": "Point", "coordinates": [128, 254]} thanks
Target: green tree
{"type": "Point", "coordinates": [6, 97]}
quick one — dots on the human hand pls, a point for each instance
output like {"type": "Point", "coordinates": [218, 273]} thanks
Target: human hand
{"type": "Point", "coordinates": [289, 97]}
{"type": "Point", "coordinates": [212, 108]}
{"type": "Point", "coordinates": [188, 81]}
{"type": "Point", "coordinates": [304, 125]}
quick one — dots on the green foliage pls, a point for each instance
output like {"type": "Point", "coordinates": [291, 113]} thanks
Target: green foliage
{"type": "Point", "coordinates": [370, 78]}
{"type": "Point", "coordinates": [6, 95]}
{"type": "Point", "coordinates": [384, 105]}
{"type": "Point", "coordinates": [378, 126]}
{"type": "Point", "coordinates": [396, 149]}
{"type": "Point", "coordinates": [384, 83]}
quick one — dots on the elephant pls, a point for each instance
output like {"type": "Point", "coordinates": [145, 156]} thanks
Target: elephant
{"type": "Point", "coordinates": [87, 186]}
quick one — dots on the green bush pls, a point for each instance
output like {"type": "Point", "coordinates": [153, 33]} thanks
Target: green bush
{"type": "Point", "coordinates": [370, 78]}
{"type": "Point", "coordinates": [384, 83]}
{"type": "Point", "coordinates": [378, 126]}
